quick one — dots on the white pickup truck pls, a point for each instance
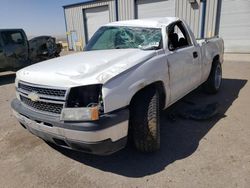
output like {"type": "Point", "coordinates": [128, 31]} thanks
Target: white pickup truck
{"type": "Point", "coordinates": [130, 70]}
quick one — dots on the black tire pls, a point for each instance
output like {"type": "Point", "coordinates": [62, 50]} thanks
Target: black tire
{"type": "Point", "coordinates": [145, 121]}
{"type": "Point", "coordinates": [213, 83]}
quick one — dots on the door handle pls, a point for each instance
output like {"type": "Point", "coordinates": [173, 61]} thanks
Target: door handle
{"type": "Point", "coordinates": [195, 54]}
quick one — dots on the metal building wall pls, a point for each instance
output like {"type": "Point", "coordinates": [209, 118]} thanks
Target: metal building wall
{"type": "Point", "coordinates": [234, 25]}
{"type": "Point", "coordinates": [74, 16]}
{"type": "Point", "coordinates": [191, 13]}
{"type": "Point", "coordinates": [211, 10]}
{"type": "Point", "coordinates": [126, 9]}
{"type": "Point", "coordinates": [184, 9]}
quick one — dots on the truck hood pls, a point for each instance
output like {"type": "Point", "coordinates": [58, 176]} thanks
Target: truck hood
{"type": "Point", "coordinates": [83, 68]}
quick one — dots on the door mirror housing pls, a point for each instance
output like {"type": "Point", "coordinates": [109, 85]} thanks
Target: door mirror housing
{"type": "Point", "coordinates": [20, 41]}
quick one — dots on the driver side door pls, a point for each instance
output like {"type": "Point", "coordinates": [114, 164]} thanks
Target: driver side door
{"type": "Point", "coordinates": [183, 62]}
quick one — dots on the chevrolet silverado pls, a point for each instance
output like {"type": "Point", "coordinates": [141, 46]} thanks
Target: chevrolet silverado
{"type": "Point", "coordinates": [130, 70]}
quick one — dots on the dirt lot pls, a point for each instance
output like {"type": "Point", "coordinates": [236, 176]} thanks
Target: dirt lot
{"type": "Point", "coordinates": [211, 153]}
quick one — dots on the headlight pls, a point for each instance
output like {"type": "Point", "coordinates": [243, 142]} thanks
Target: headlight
{"type": "Point", "coordinates": [83, 103]}
{"type": "Point", "coordinates": [84, 96]}
{"type": "Point", "coordinates": [80, 114]}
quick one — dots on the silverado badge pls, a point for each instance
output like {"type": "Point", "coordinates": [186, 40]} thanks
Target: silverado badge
{"type": "Point", "coordinates": [33, 96]}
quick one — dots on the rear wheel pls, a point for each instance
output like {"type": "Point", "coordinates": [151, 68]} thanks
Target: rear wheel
{"type": "Point", "coordinates": [213, 83]}
{"type": "Point", "coordinates": [145, 120]}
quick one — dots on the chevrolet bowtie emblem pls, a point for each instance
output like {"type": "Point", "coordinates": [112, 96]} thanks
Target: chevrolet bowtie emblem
{"type": "Point", "coordinates": [33, 96]}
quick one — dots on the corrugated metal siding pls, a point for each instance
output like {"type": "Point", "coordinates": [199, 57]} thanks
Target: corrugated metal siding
{"type": "Point", "coordinates": [190, 13]}
{"type": "Point", "coordinates": [210, 22]}
{"type": "Point", "coordinates": [74, 16]}
{"type": "Point", "coordinates": [126, 9]}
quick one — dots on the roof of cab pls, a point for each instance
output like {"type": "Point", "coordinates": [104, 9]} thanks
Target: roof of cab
{"type": "Point", "coordinates": [157, 22]}
{"type": "Point", "coordinates": [12, 29]}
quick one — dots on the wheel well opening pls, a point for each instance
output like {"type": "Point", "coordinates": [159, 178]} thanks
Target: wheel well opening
{"type": "Point", "coordinates": [159, 85]}
{"type": "Point", "coordinates": [216, 58]}
{"type": "Point", "coordinates": [156, 85]}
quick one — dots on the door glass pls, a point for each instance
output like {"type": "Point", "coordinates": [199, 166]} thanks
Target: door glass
{"type": "Point", "coordinates": [13, 37]}
{"type": "Point", "coordinates": [17, 38]}
{"type": "Point", "coordinates": [178, 37]}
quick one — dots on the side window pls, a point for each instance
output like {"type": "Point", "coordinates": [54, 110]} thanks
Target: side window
{"type": "Point", "coordinates": [12, 37]}
{"type": "Point", "coordinates": [178, 36]}
{"type": "Point", "coordinates": [17, 37]}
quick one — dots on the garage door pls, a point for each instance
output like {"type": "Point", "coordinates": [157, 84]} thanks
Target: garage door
{"type": "Point", "coordinates": [235, 25]}
{"type": "Point", "coordinates": [157, 8]}
{"type": "Point", "coordinates": [94, 18]}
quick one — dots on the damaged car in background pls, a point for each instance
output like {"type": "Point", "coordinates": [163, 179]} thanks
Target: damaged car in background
{"type": "Point", "coordinates": [130, 70]}
{"type": "Point", "coordinates": [17, 52]}
{"type": "Point", "coordinates": [44, 48]}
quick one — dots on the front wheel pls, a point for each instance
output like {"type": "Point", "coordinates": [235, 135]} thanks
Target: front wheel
{"type": "Point", "coordinates": [213, 83]}
{"type": "Point", "coordinates": [145, 120]}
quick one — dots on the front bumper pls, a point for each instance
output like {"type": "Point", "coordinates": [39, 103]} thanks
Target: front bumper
{"type": "Point", "coordinates": [102, 137]}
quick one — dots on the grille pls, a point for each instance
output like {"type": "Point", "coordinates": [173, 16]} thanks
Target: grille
{"type": "Point", "coordinates": [42, 91]}
{"type": "Point", "coordinates": [42, 106]}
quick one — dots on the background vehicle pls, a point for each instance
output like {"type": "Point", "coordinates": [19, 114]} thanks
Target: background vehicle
{"type": "Point", "coordinates": [44, 48]}
{"type": "Point", "coordinates": [91, 101]}
{"type": "Point", "coordinates": [14, 49]}
{"type": "Point", "coordinates": [17, 52]}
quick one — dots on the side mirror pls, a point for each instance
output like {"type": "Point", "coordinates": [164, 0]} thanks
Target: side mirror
{"type": "Point", "coordinates": [20, 41]}
{"type": "Point", "coordinates": [1, 50]}
{"type": "Point", "coordinates": [171, 47]}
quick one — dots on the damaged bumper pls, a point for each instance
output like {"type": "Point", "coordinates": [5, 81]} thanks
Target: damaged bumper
{"type": "Point", "coordinates": [102, 137]}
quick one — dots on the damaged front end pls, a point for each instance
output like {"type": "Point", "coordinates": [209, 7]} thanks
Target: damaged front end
{"type": "Point", "coordinates": [84, 103]}
{"type": "Point", "coordinates": [43, 48]}
{"type": "Point", "coordinates": [71, 117]}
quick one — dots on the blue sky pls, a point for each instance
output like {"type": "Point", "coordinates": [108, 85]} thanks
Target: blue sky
{"type": "Point", "coordinates": [36, 17]}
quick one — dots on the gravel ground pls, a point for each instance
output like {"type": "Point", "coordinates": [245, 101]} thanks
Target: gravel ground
{"type": "Point", "coordinates": [211, 153]}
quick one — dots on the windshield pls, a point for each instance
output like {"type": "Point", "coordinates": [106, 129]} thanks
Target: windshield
{"type": "Point", "coordinates": [125, 37]}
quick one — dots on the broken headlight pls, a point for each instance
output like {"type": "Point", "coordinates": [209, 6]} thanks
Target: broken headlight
{"type": "Point", "coordinates": [83, 103]}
